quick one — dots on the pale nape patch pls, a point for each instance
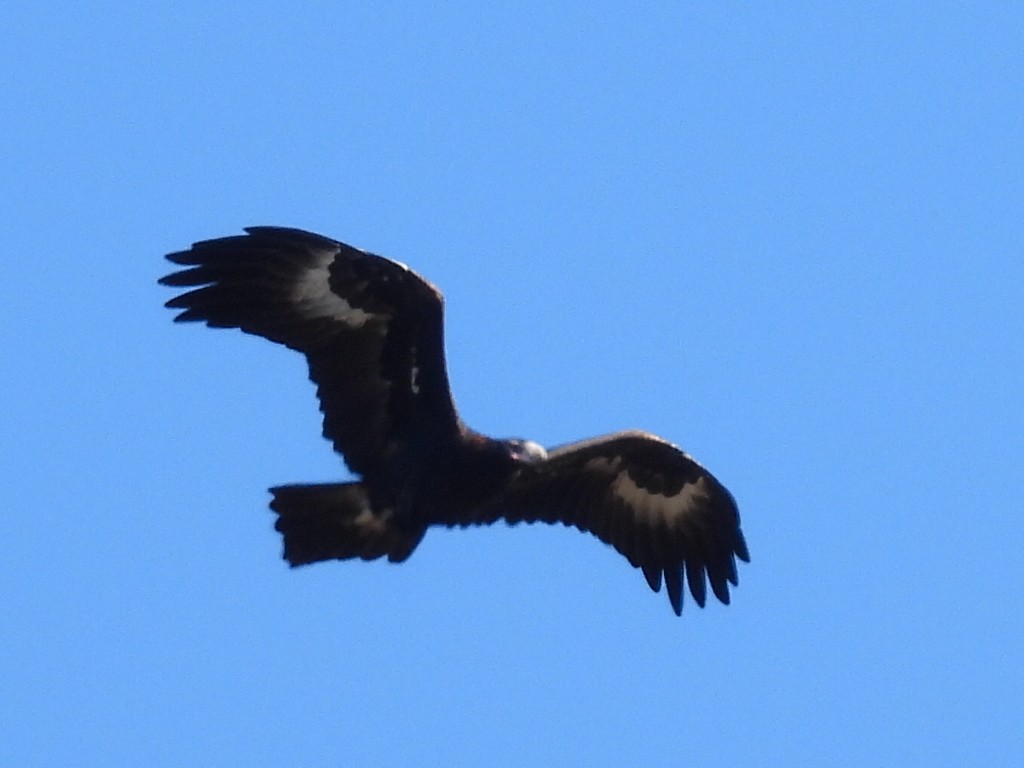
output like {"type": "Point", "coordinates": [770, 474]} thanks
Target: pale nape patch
{"type": "Point", "coordinates": [313, 296]}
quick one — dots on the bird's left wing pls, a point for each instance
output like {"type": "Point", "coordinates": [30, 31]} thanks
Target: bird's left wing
{"type": "Point", "coordinates": [371, 330]}
{"type": "Point", "coordinates": [653, 503]}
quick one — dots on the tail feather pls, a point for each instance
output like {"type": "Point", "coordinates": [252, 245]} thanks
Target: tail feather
{"type": "Point", "coordinates": [337, 522]}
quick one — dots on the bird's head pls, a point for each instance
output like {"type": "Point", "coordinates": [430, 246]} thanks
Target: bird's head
{"type": "Point", "coordinates": [525, 451]}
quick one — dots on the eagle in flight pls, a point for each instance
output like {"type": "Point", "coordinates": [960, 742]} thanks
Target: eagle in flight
{"type": "Point", "coordinates": [372, 333]}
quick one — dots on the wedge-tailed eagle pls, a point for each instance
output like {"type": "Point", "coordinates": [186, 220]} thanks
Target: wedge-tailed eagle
{"type": "Point", "coordinates": [372, 332]}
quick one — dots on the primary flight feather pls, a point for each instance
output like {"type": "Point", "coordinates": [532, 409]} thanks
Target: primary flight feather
{"type": "Point", "coordinates": [372, 332]}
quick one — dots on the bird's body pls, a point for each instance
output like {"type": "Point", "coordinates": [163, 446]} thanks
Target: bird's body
{"type": "Point", "coordinates": [372, 333]}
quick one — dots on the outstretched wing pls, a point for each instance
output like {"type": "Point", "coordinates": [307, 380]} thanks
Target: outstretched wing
{"type": "Point", "coordinates": [370, 328]}
{"type": "Point", "coordinates": [657, 506]}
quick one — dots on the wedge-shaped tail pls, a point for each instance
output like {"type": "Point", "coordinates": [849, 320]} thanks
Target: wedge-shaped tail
{"type": "Point", "coordinates": [336, 521]}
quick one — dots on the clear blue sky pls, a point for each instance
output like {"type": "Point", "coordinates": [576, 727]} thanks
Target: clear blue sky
{"type": "Point", "coordinates": [787, 237]}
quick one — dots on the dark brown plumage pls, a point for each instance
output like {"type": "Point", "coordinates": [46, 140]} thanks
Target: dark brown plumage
{"type": "Point", "coordinates": [372, 333]}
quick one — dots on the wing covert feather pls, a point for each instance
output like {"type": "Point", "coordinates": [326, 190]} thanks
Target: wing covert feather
{"type": "Point", "coordinates": [645, 497]}
{"type": "Point", "coordinates": [371, 329]}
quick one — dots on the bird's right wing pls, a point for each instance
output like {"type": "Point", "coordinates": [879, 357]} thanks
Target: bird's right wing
{"type": "Point", "coordinates": [645, 497]}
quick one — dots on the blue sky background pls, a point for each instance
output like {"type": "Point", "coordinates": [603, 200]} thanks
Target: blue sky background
{"type": "Point", "coordinates": [787, 237]}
